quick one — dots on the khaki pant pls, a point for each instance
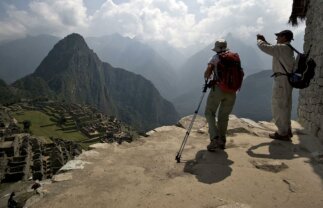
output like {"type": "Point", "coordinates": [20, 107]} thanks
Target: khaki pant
{"type": "Point", "coordinates": [281, 104]}
{"type": "Point", "coordinates": [223, 103]}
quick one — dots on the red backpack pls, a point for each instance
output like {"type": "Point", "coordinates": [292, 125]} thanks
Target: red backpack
{"type": "Point", "coordinates": [230, 73]}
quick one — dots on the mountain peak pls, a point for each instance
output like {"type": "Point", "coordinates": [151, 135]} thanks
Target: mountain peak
{"type": "Point", "coordinates": [65, 56]}
{"type": "Point", "coordinates": [72, 41]}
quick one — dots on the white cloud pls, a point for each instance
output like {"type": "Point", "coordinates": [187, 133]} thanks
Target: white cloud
{"type": "Point", "coordinates": [181, 23]}
{"type": "Point", "coordinates": [59, 12]}
{"type": "Point", "coordinates": [56, 17]}
{"type": "Point", "coordinates": [158, 19]}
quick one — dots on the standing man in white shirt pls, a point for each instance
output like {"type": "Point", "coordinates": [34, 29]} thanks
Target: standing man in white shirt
{"type": "Point", "coordinates": [283, 57]}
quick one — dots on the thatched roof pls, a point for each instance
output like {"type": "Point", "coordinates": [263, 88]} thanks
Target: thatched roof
{"type": "Point", "coordinates": [299, 11]}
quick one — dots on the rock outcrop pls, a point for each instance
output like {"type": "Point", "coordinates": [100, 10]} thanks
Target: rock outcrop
{"type": "Point", "coordinates": [253, 171]}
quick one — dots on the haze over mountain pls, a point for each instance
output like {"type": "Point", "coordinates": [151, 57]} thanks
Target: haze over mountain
{"type": "Point", "coordinates": [174, 56]}
{"type": "Point", "coordinates": [7, 95]}
{"type": "Point", "coordinates": [192, 71]}
{"type": "Point", "coordinates": [148, 59]}
{"type": "Point", "coordinates": [74, 73]}
{"type": "Point", "coordinates": [136, 57]}
{"type": "Point", "coordinates": [253, 62]}
{"type": "Point", "coordinates": [22, 56]}
{"type": "Point", "coordinates": [253, 100]}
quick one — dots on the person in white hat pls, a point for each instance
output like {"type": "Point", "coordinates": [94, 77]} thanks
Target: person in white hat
{"type": "Point", "coordinates": [218, 101]}
{"type": "Point", "coordinates": [283, 56]}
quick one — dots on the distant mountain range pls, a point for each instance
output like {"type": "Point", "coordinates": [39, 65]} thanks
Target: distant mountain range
{"type": "Point", "coordinates": [192, 82]}
{"type": "Point", "coordinates": [136, 57]}
{"type": "Point", "coordinates": [73, 72]}
{"type": "Point", "coordinates": [192, 71]}
{"type": "Point", "coordinates": [21, 57]}
{"type": "Point", "coordinates": [174, 56]}
{"type": "Point", "coordinates": [7, 94]}
{"type": "Point", "coordinates": [155, 61]}
{"type": "Point", "coordinates": [253, 100]}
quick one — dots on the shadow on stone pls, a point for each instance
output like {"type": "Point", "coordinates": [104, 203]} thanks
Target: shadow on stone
{"type": "Point", "coordinates": [209, 167]}
{"type": "Point", "coordinates": [309, 147]}
{"type": "Point", "coordinates": [277, 150]}
{"type": "Point", "coordinates": [236, 131]}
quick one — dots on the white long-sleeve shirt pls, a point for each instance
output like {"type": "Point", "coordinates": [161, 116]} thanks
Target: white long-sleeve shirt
{"type": "Point", "coordinates": [280, 53]}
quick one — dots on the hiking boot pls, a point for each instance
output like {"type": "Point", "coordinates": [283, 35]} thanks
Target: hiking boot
{"type": "Point", "coordinates": [223, 139]}
{"type": "Point", "coordinates": [280, 137]}
{"type": "Point", "coordinates": [216, 144]}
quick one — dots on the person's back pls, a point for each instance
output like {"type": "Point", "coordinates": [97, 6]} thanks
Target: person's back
{"type": "Point", "coordinates": [222, 95]}
{"type": "Point", "coordinates": [229, 71]}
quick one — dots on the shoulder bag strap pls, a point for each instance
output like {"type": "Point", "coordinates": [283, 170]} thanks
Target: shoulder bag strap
{"type": "Point", "coordinates": [289, 45]}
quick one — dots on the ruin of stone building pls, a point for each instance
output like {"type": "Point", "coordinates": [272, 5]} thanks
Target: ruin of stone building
{"type": "Point", "coordinates": [310, 107]}
{"type": "Point", "coordinates": [21, 167]}
{"type": "Point", "coordinates": [2, 124]}
{"type": "Point", "coordinates": [3, 165]}
{"type": "Point", "coordinates": [9, 145]}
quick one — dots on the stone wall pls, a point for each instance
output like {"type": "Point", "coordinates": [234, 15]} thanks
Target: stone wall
{"type": "Point", "coordinates": [310, 109]}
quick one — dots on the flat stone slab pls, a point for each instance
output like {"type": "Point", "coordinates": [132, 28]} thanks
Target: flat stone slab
{"type": "Point", "coordinates": [271, 166]}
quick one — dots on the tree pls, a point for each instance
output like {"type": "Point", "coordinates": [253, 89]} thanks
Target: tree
{"type": "Point", "coordinates": [27, 124]}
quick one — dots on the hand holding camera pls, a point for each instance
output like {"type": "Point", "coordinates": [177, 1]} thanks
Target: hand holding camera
{"type": "Point", "coordinates": [261, 37]}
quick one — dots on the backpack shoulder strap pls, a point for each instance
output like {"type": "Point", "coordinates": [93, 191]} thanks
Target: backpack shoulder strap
{"type": "Point", "coordinates": [287, 73]}
{"type": "Point", "coordinates": [289, 45]}
{"type": "Point", "coordinates": [309, 50]}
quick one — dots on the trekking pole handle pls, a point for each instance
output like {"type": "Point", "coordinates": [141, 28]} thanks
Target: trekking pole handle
{"type": "Point", "coordinates": [205, 86]}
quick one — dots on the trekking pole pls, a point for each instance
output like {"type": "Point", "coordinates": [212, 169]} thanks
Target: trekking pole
{"type": "Point", "coordinates": [179, 154]}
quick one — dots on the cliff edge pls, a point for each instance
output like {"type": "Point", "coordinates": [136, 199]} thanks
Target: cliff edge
{"type": "Point", "coordinates": [253, 171]}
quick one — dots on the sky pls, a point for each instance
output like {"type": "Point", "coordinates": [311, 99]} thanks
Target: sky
{"type": "Point", "coordinates": [180, 23]}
